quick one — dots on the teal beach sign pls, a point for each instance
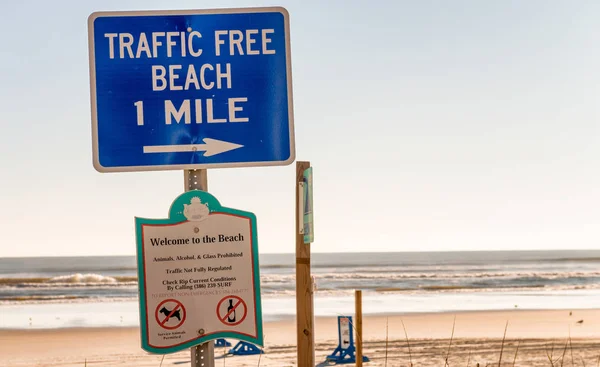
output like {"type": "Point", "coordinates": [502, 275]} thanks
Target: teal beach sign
{"type": "Point", "coordinates": [198, 275]}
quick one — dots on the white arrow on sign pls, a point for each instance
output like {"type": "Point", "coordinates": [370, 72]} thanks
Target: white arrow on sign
{"type": "Point", "coordinates": [210, 147]}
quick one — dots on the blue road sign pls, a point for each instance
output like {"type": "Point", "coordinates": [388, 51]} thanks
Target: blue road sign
{"type": "Point", "coordinates": [191, 89]}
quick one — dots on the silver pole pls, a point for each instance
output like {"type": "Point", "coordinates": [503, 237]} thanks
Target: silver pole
{"type": "Point", "coordinates": [203, 355]}
{"type": "Point", "coordinates": [195, 179]}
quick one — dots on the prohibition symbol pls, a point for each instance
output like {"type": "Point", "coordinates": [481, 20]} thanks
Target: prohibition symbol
{"type": "Point", "coordinates": [170, 314]}
{"type": "Point", "coordinates": [232, 310]}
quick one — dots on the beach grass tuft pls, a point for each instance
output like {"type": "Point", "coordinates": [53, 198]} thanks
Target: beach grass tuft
{"type": "Point", "coordinates": [387, 322]}
{"type": "Point", "coordinates": [550, 355]}
{"type": "Point", "coordinates": [408, 344]}
{"type": "Point", "coordinates": [260, 356]}
{"type": "Point", "coordinates": [450, 344]}
{"type": "Point", "coordinates": [516, 352]}
{"type": "Point", "coordinates": [502, 345]}
{"type": "Point", "coordinates": [562, 358]}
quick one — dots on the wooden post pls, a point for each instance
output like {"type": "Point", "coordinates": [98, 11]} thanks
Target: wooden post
{"type": "Point", "coordinates": [359, 336]}
{"type": "Point", "coordinates": [203, 355]}
{"type": "Point", "coordinates": [304, 284]}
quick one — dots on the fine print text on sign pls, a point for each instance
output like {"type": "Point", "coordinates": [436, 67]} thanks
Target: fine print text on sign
{"type": "Point", "coordinates": [199, 275]}
{"type": "Point", "coordinates": [345, 332]}
{"type": "Point", "coordinates": [191, 89]}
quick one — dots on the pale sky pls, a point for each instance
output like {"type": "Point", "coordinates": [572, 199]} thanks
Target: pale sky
{"type": "Point", "coordinates": [431, 126]}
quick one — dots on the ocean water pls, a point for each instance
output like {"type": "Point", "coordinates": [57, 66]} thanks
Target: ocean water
{"type": "Point", "coordinates": [55, 292]}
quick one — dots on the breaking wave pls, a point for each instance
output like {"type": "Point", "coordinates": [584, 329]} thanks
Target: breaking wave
{"type": "Point", "coordinates": [72, 280]}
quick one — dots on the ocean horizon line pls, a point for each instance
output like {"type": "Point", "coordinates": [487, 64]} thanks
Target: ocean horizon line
{"type": "Point", "coordinates": [531, 251]}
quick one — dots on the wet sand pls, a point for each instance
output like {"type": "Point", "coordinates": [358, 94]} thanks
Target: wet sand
{"type": "Point", "coordinates": [477, 338]}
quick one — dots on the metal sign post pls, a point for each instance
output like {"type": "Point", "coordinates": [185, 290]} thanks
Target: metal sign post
{"type": "Point", "coordinates": [203, 355]}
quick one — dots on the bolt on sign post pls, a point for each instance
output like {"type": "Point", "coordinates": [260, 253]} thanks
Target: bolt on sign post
{"type": "Point", "coordinates": [192, 90]}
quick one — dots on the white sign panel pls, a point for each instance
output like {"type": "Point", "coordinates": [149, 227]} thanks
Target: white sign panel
{"type": "Point", "coordinates": [199, 276]}
{"type": "Point", "coordinates": [345, 332]}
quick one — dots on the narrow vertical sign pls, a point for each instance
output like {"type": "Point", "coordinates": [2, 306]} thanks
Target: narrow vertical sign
{"type": "Point", "coordinates": [345, 332]}
{"type": "Point", "coordinates": [308, 224]}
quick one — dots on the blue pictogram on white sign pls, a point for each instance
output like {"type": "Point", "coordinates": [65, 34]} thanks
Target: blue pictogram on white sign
{"type": "Point", "coordinates": [191, 89]}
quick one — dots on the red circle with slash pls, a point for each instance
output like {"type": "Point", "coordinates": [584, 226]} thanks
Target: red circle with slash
{"type": "Point", "coordinates": [164, 313]}
{"type": "Point", "coordinates": [224, 316]}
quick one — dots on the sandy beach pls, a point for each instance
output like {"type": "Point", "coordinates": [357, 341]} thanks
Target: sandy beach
{"type": "Point", "coordinates": [477, 338]}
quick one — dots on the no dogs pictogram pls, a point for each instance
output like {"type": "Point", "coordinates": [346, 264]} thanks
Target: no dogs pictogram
{"type": "Point", "coordinates": [232, 310]}
{"type": "Point", "coordinates": [170, 314]}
